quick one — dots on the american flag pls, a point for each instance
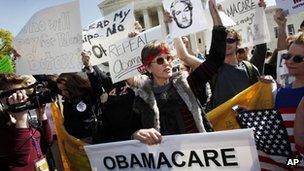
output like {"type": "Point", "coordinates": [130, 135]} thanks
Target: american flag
{"type": "Point", "coordinates": [269, 131]}
{"type": "Point", "coordinates": [273, 131]}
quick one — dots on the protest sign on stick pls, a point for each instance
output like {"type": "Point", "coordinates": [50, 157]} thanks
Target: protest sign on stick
{"type": "Point", "coordinates": [250, 21]}
{"type": "Point", "coordinates": [226, 150]}
{"type": "Point", "coordinates": [291, 6]}
{"type": "Point", "coordinates": [101, 33]}
{"type": "Point", "coordinates": [51, 41]}
{"type": "Point", "coordinates": [188, 16]}
{"type": "Point", "coordinates": [125, 55]}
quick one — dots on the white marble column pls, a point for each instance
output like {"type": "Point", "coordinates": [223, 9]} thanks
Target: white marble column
{"type": "Point", "coordinates": [193, 42]}
{"type": "Point", "coordinates": [160, 15]}
{"type": "Point", "coordinates": [147, 21]}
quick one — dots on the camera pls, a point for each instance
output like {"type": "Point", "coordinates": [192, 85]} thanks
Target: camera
{"type": "Point", "coordinates": [39, 94]}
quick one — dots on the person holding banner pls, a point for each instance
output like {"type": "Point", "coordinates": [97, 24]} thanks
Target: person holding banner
{"type": "Point", "coordinates": [165, 104]}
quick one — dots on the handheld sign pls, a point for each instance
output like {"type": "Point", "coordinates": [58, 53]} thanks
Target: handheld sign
{"type": "Point", "coordinates": [233, 150]}
{"type": "Point", "coordinates": [188, 16]}
{"type": "Point", "coordinates": [50, 42]}
{"type": "Point", "coordinates": [250, 21]}
{"type": "Point", "coordinates": [101, 33]}
{"type": "Point", "coordinates": [283, 77]}
{"type": "Point", "coordinates": [125, 55]}
{"type": "Point", "coordinates": [291, 6]}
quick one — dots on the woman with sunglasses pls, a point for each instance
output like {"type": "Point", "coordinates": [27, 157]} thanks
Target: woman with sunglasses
{"type": "Point", "coordinates": [287, 100]}
{"type": "Point", "coordinates": [165, 105]}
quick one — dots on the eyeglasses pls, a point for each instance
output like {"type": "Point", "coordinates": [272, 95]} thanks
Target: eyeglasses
{"type": "Point", "coordinates": [231, 40]}
{"type": "Point", "coordinates": [161, 60]}
{"type": "Point", "coordinates": [295, 58]}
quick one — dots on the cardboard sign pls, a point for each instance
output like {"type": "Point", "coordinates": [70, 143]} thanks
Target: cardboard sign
{"type": "Point", "coordinates": [50, 42]}
{"type": "Point", "coordinates": [226, 150]}
{"type": "Point", "coordinates": [250, 21]}
{"type": "Point", "coordinates": [125, 55]}
{"type": "Point", "coordinates": [283, 77]}
{"type": "Point", "coordinates": [187, 16]}
{"type": "Point", "coordinates": [100, 34]}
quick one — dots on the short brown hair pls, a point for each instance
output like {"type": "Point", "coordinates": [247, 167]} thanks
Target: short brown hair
{"type": "Point", "coordinates": [236, 35]}
{"type": "Point", "coordinates": [8, 81]}
{"type": "Point", "coordinates": [77, 86]}
{"type": "Point", "coordinates": [152, 48]}
{"type": "Point", "coordinates": [300, 39]}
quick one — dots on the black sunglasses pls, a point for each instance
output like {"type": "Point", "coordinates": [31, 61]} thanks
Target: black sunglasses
{"type": "Point", "coordinates": [231, 40]}
{"type": "Point", "coordinates": [161, 60]}
{"type": "Point", "coordinates": [296, 58]}
{"type": "Point", "coordinates": [240, 51]}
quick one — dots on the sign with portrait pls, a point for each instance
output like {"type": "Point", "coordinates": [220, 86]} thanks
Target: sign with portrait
{"type": "Point", "coordinates": [250, 21]}
{"type": "Point", "coordinates": [283, 78]}
{"type": "Point", "coordinates": [188, 16]}
{"type": "Point", "coordinates": [233, 150]}
{"type": "Point", "coordinates": [51, 41]}
{"type": "Point", "coordinates": [125, 55]}
{"type": "Point", "coordinates": [291, 6]}
{"type": "Point", "coordinates": [101, 33]}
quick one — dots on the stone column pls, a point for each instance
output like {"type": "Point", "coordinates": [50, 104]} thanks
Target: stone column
{"type": "Point", "coordinates": [147, 21]}
{"type": "Point", "coordinates": [193, 42]}
{"type": "Point", "coordinates": [160, 15]}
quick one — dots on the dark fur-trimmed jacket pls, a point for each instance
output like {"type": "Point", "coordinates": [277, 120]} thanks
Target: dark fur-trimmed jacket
{"type": "Point", "coordinates": [148, 113]}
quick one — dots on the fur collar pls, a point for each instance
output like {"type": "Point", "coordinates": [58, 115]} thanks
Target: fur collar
{"type": "Point", "coordinates": [180, 83]}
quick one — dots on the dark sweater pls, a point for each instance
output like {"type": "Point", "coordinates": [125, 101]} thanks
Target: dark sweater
{"type": "Point", "coordinates": [117, 118]}
{"type": "Point", "coordinates": [77, 119]}
{"type": "Point", "coordinates": [16, 148]}
{"type": "Point", "coordinates": [200, 76]}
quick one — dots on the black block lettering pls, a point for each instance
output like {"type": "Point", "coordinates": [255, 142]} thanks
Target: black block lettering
{"type": "Point", "coordinates": [212, 157]}
{"type": "Point", "coordinates": [225, 157]}
{"type": "Point", "coordinates": [173, 158]}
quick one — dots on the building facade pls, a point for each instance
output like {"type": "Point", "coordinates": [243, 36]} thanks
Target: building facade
{"type": "Point", "coordinates": [292, 25]}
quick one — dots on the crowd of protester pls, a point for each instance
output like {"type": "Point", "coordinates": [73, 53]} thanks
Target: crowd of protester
{"type": "Point", "coordinates": [159, 102]}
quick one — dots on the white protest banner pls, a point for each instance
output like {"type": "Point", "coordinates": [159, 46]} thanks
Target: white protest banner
{"type": "Point", "coordinates": [227, 21]}
{"type": "Point", "coordinates": [232, 150]}
{"type": "Point", "coordinates": [188, 16]}
{"type": "Point", "coordinates": [283, 78]}
{"type": "Point", "coordinates": [250, 21]}
{"type": "Point", "coordinates": [125, 55]}
{"type": "Point", "coordinates": [100, 34]}
{"type": "Point", "coordinates": [291, 6]}
{"type": "Point", "coordinates": [51, 41]}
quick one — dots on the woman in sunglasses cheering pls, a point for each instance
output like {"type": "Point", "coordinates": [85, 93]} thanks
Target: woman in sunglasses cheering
{"type": "Point", "coordinates": [288, 98]}
{"type": "Point", "coordinates": [165, 105]}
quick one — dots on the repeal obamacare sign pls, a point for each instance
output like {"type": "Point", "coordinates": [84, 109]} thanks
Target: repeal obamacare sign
{"type": "Point", "coordinates": [112, 28]}
{"type": "Point", "coordinates": [228, 150]}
